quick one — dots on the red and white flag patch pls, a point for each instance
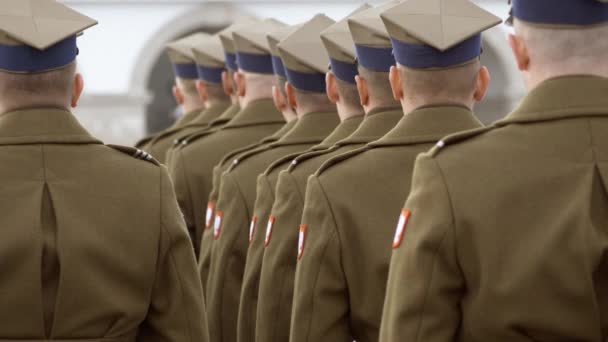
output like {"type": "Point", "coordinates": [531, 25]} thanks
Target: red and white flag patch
{"type": "Point", "coordinates": [400, 232]}
{"type": "Point", "coordinates": [301, 241]}
{"type": "Point", "coordinates": [217, 224]}
{"type": "Point", "coordinates": [254, 220]}
{"type": "Point", "coordinates": [209, 214]}
{"type": "Point", "coordinates": [269, 230]}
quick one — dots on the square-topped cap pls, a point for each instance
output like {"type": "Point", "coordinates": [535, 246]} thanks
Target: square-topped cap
{"type": "Point", "coordinates": [338, 40]}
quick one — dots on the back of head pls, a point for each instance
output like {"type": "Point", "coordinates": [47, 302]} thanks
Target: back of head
{"type": "Point", "coordinates": [553, 40]}
{"type": "Point", "coordinates": [379, 88]}
{"type": "Point", "coordinates": [44, 89]}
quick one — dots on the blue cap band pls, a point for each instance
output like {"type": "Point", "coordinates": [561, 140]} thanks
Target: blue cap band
{"type": "Point", "coordinates": [375, 59]}
{"type": "Point", "coordinates": [251, 62]}
{"type": "Point", "coordinates": [305, 81]}
{"type": "Point", "coordinates": [564, 12]}
{"type": "Point", "coordinates": [231, 61]}
{"type": "Point", "coordinates": [278, 67]}
{"type": "Point", "coordinates": [424, 56]}
{"type": "Point", "coordinates": [26, 59]}
{"type": "Point", "coordinates": [208, 74]}
{"type": "Point", "coordinates": [183, 70]}
{"type": "Point", "coordinates": [344, 71]}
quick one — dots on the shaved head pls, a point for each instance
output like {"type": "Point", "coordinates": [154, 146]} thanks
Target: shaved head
{"type": "Point", "coordinates": [50, 88]}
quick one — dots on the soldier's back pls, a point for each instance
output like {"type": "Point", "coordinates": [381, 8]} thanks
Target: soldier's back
{"type": "Point", "coordinates": [87, 231]}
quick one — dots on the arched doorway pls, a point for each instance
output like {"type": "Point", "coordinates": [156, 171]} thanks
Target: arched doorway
{"type": "Point", "coordinates": [153, 75]}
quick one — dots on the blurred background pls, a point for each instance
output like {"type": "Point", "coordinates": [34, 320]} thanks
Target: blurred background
{"type": "Point", "coordinates": [128, 77]}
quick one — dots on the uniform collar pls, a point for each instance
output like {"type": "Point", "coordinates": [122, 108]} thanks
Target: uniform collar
{"type": "Point", "coordinates": [186, 119]}
{"type": "Point", "coordinates": [429, 124]}
{"type": "Point", "coordinates": [281, 132]}
{"type": "Point", "coordinates": [374, 127]}
{"type": "Point", "coordinates": [311, 128]}
{"type": "Point", "coordinates": [562, 97]}
{"type": "Point", "coordinates": [42, 125]}
{"type": "Point", "coordinates": [343, 131]}
{"type": "Point", "coordinates": [208, 115]}
{"type": "Point", "coordinates": [258, 112]}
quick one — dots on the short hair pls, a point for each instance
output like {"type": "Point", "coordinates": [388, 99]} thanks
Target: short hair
{"type": "Point", "coordinates": [456, 84]}
{"type": "Point", "coordinates": [216, 91]}
{"type": "Point", "coordinates": [349, 95]}
{"type": "Point", "coordinates": [565, 48]}
{"type": "Point", "coordinates": [44, 88]}
{"type": "Point", "coordinates": [379, 86]}
{"type": "Point", "coordinates": [313, 101]}
{"type": "Point", "coordinates": [188, 87]}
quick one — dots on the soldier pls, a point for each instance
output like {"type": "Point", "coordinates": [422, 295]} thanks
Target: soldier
{"type": "Point", "coordinates": [280, 102]}
{"type": "Point", "coordinates": [317, 118]}
{"type": "Point", "coordinates": [209, 57]}
{"type": "Point", "coordinates": [227, 82]}
{"type": "Point", "coordinates": [353, 201]}
{"type": "Point", "coordinates": [184, 90]}
{"type": "Point", "coordinates": [383, 113]}
{"type": "Point", "coordinates": [84, 260]}
{"type": "Point", "coordinates": [192, 165]}
{"type": "Point", "coordinates": [507, 236]}
{"type": "Point", "coordinates": [351, 115]}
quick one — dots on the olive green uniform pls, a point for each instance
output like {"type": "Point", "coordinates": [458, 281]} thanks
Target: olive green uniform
{"type": "Point", "coordinates": [218, 170]}
{"type": "Point", "coordinates": [192, 165]}
{"type": "Point", "coordinates": [161, 143]}
{"type": "Point", "coordinates": [351, 208]}
{"type": "Point", "coordinates": [233, 212]}
{"type": "Point", "coordinates": [144, 143]}
{"type": "Point", "coordinates": [266, 184]}
{"type": "Point", "coordinates": [508, 239]}
{"type": "Point", "coordinates": [97, 249]}
{"type": "Point", "coordinates": [280, 256]}
{"type": "Point", "coordinates": [211, 127]}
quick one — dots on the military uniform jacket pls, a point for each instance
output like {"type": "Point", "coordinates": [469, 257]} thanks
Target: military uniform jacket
{"type": "Point", "coordinates": [159, 146]}
{"type": "Point", "coordinates": [266, 184]}
{"type": "Point", "coordinates": [218, 170]}
{"type": "Point", "coordinates": [192, 165]}
{"type": "Point", "coordinates": [508, 234]}
{"type": "Point", "coordinates": [233, 212]}
{"type": "Point", "coordinates": [201, 131]}
{"type": "Point", "coordinates": [280, 255]}
{"type": "Point", "coordinates": [351, 208]}
{"type": "Point", "coordinates": [93, 244]}
{"type": "Point", "coordinates": [144, 143]}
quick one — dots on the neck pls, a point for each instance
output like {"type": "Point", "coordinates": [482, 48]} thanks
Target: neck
{"type": "Point", "coordinates": [7, 108]}
{"type": "Point", "coordinates": [534, 78]}
{"type": "Point", "coordinates": [289, 115]}
{"type": "Point", "coordinates": [345, 112]}
{"type": "Point", "coordinates": [249, 97]}
{"type": "Point", "coordinates": [214, 102]}
{"type": "Point", "coordinates": [410, 106]}
{"type": "Point", "coordinates": [192, 107]}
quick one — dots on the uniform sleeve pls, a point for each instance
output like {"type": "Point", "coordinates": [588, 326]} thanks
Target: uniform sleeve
{"type": "Point", "coordinates": [425, 284]}
{"type": "Point", "coordinates": [179, 174]}
{"type": "Point", "coordinates": [177, 308]}
{"type": "Point", "coordinates": [320, 308]}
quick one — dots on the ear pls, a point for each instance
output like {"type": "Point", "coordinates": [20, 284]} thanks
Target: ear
{"type": "Point", "coordinates": [520, 52]}
{"type": "Point", "coordinates": [331, 87]}
{"type": "Point", "coordinates": [177, 94]}
{"type": "Point", "coordinates": [77, 89]}
{"type": "Point", "coordinates": [291, 95]}
{"type": "Point", "coordinates": [279, 100]}
{"type": "Point", "coordinates": [227, 83]}
{"type": "Point", "coordinates": [201, 88]}
{"type": "Point", "coordinates": [241, 85]}
{"type": "Point", "coordinates": [482, 84]}
{"type": "Point", "coordinates": [396, 83]}
{"type": "Point", "coordinates": [362, 90]}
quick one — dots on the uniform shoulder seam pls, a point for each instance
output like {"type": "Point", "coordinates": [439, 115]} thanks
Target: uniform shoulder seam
{"type": "Point", "coordinates": [135, 153]}
{"type": "Point", "coordinates": [457, 138]}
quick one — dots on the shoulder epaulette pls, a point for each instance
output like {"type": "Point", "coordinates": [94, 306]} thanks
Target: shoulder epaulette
{"type": "Point", "coordinates": [194, 137]}
{"type": "Point", "coordinates": [340, 158]}
{"type": "Point", "coordinates": [284, 161]}
{"type": "Point", "coordinates": [135, 153]}
{"type": "Point", "coordinates": [457, 138]}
